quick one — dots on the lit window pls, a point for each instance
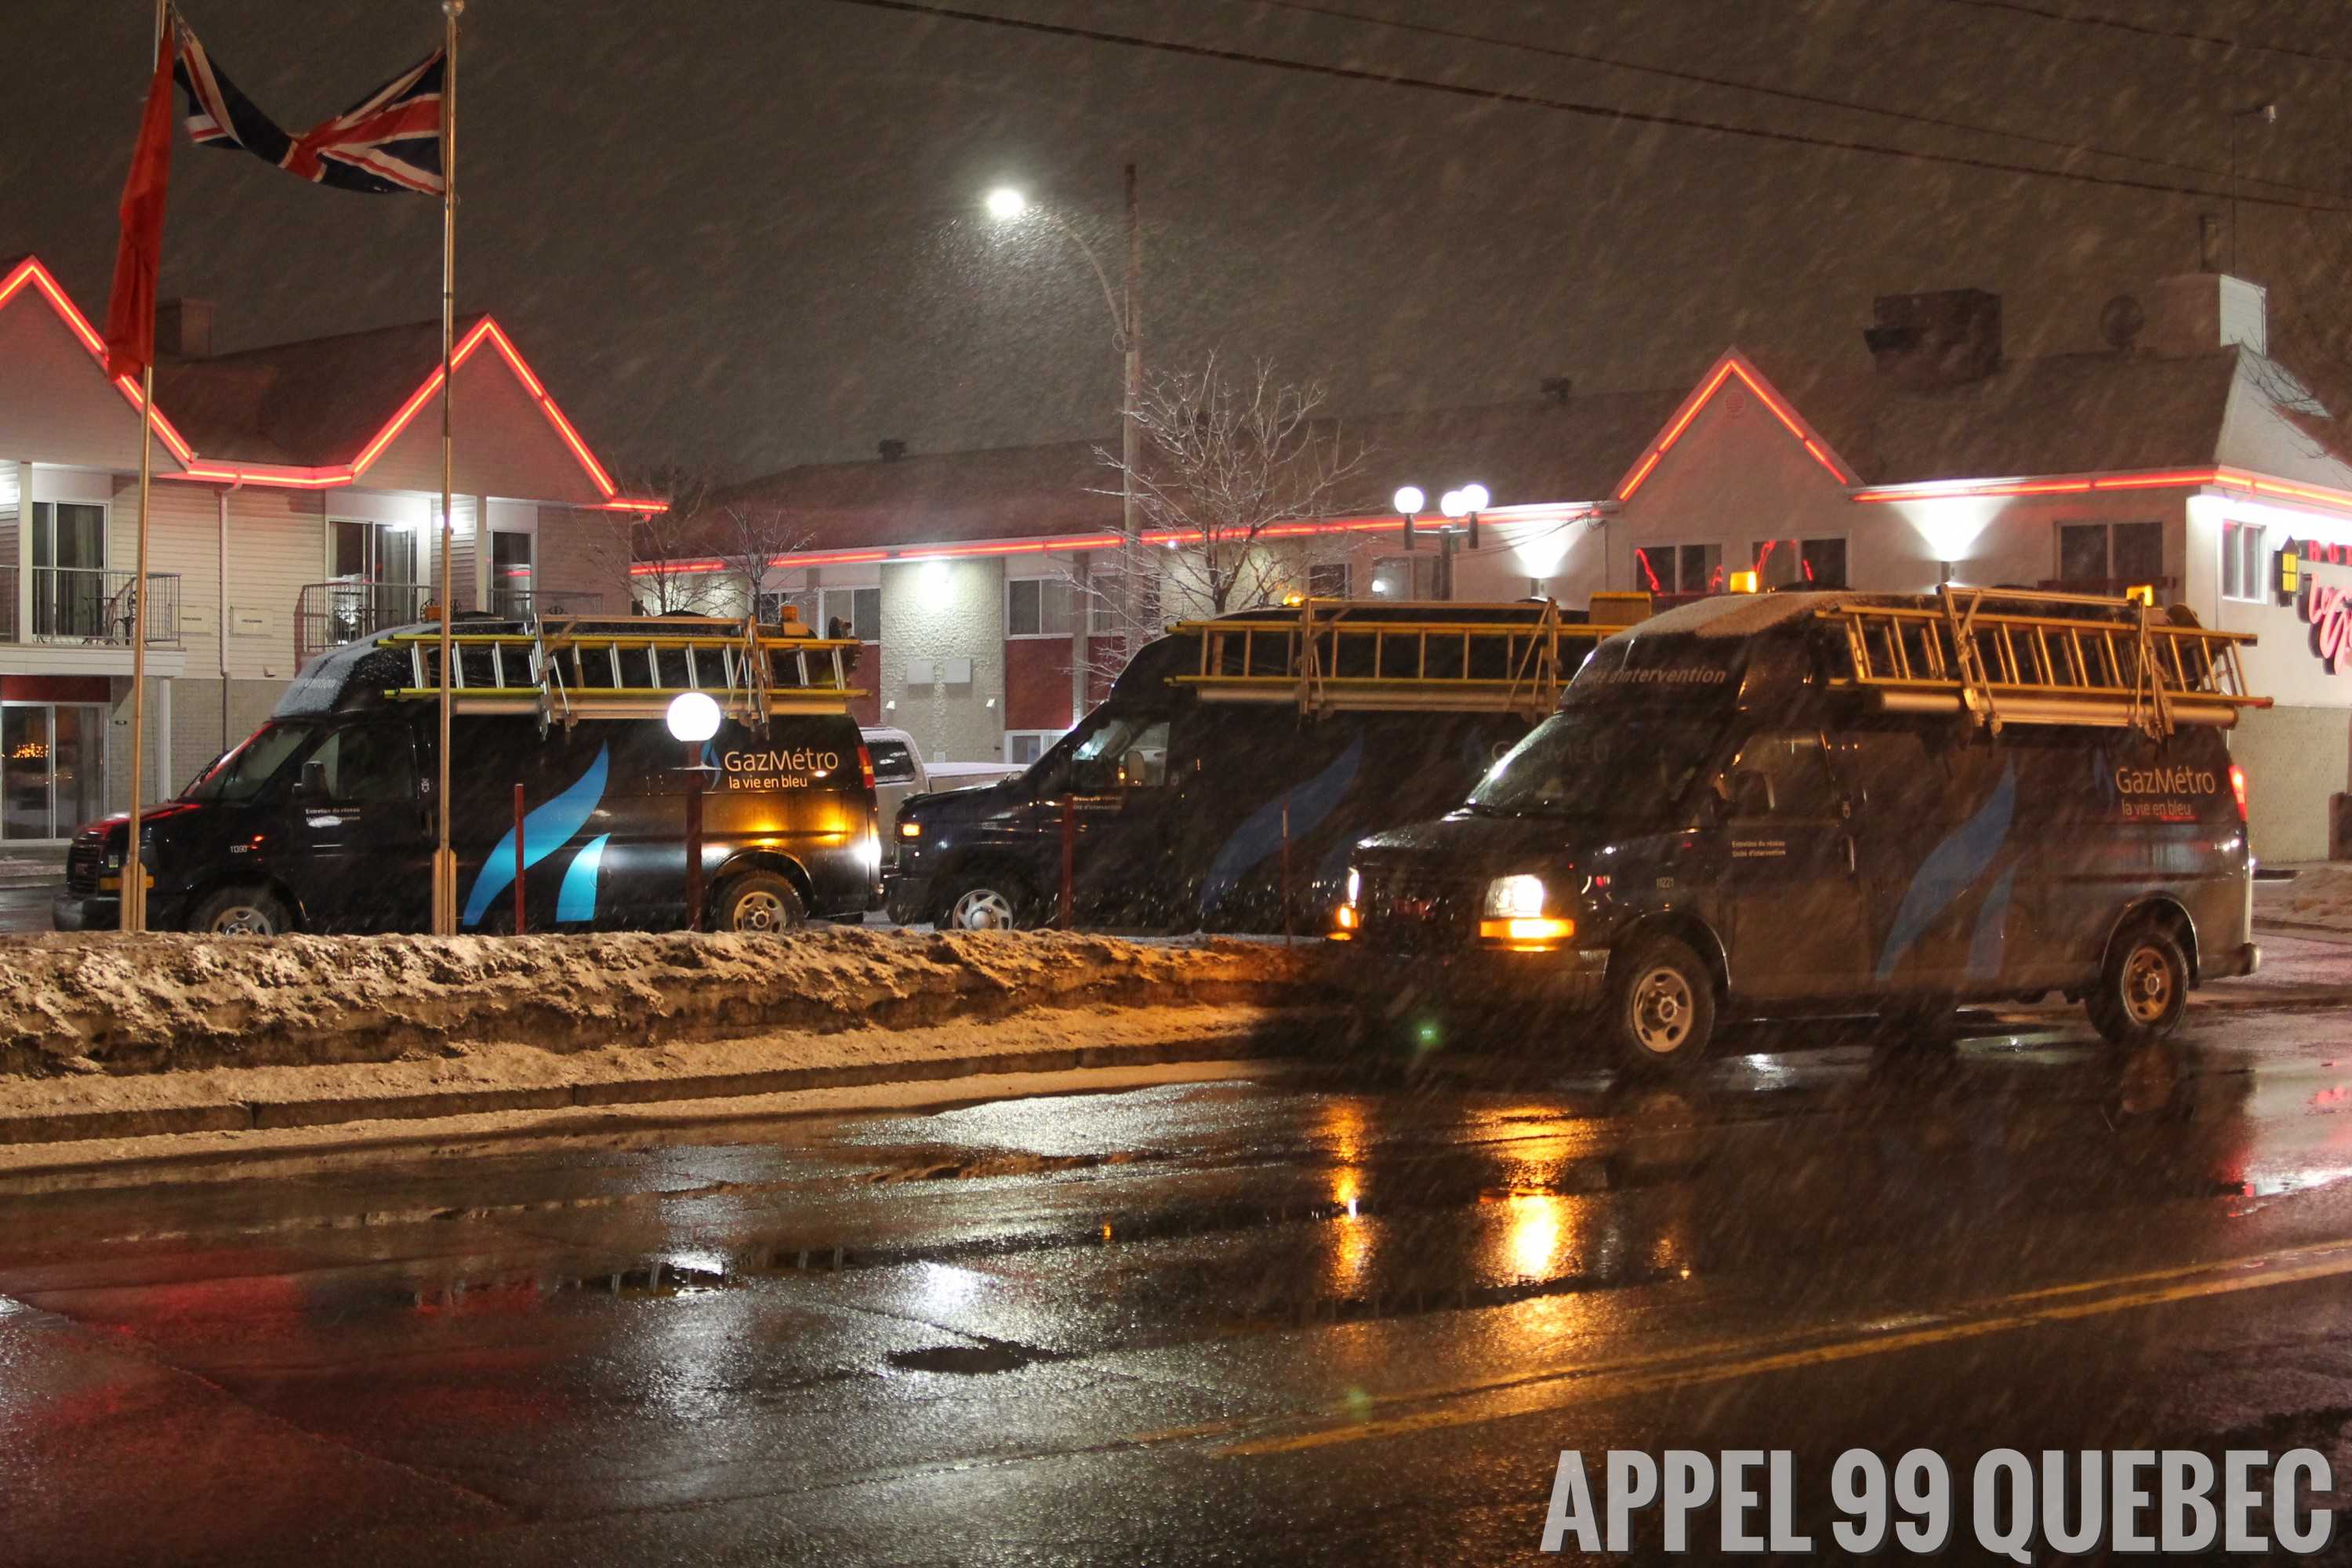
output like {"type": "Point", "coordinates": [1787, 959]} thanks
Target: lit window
{"type": "Point", "coordinates": [1405, 577]}
{"type": "Point", "coordinates": [858, 611]}
{"type": "Point", "coordinates": [1798, 562]}
{"type": "Point", "coordinates": [1678, 568]}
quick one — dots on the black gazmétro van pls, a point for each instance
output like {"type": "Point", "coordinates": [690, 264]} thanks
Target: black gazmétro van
{"type": "Point", "coordinates": [323, 820]}
{"type": "Point", "coordinates": [1318, 722]}
{"type": "Point", "coordinates": [1830, 803]}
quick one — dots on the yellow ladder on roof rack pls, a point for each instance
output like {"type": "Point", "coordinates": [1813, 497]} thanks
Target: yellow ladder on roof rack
{"type": "Point", "coordinates": [2012, 657]}
{"type": "Point", "coordinates": [1325, 656]}
{"type": "Point", "coordinates": [566, 670]}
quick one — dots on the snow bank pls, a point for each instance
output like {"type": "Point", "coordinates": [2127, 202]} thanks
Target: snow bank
{"type": "Point", "coordinates": [117, 1005]}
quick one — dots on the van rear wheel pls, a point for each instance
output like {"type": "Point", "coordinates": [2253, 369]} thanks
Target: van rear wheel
{"type": "Point", "coordinates": [758, 904]}
{"type": "Point", "coordinates": [242, 912]}
{"type": "Point", "coordinates": [2143, 987]}
{"type": "Point", "coordinates": [1661, 1015]}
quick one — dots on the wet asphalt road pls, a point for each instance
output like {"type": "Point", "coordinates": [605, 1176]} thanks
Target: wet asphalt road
{"type": "Point", "coordinates": [1309, 1317]}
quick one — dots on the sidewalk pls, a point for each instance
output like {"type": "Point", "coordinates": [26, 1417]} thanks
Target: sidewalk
{"type": "Point", "coordinates": [23, 867]}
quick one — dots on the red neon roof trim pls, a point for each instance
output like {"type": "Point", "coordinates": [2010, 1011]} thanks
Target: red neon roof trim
{"type": "Point", "coordinates": [30, 270]}
{"type": "Point", "coordinates": [1730, 365]}
{"type": "Point", "coordinates": [2160, 478]}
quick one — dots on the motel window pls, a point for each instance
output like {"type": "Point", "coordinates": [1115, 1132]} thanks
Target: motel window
{"type": "Point", "coordinates": [1102, 609]}
{"type": "Point", "coordinates": [2245, 560]}
{"type": "Point", "coordinates": [1025, 746]}
{"type": "Point", "coordinates": [2110, 556]}
{"type": "Point", "coordinates": [1798, 562]}
{"type": "Point", "coordinates": [857, 609]}
{"type": "Point", "coordinates": [1405, 577]}
{"type": "Point", "coordinates": [1679, 568]}
{"type": "Point", "coordinates": [1037, 607]}
{"type": "Point", "coordinates": [1328, 580]}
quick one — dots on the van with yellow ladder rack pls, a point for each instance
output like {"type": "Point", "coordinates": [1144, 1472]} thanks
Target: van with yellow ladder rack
{"type": "Point", "coordinates": [325, 818]}
{"type": "Point", "coordinates": [1837, 803]}
{"type": "Point", "coordinates": [1220, 784]}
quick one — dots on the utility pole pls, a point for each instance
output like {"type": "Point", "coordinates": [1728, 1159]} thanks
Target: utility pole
{"type": "Point", "coordinates": [1131, 332]}
{"type": "Point", "coordinates": [132, 904]}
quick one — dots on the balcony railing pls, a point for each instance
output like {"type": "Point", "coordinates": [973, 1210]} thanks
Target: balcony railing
{"type": "Point", "coordinates": [80, 604]}
{"type": "Point", "coordinates": [521, 603]}
{"type": "Point", "coordinates": [329, 614]}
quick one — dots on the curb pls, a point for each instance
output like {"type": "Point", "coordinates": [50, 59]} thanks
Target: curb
{"type": "Point", "coordinates": [224, 1115]}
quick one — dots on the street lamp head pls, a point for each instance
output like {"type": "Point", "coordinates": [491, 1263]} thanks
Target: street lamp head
{"type": "Point", "coordinates": [1452, 504]}
{"type": "Point", "coordinates": [1475, 498]}
{"type": "Point", "coordinates": [1410, 501]}
{"type": "Point", "coordinates": [693, 717]}
{"type": "Point", "coordinates": [1005, 204]}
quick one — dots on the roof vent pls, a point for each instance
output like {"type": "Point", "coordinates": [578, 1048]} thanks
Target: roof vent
{"type": "Point", "coordinates": [1927, 340]}
{"type": "Point", "coordinates": [1559, 388]}
{"type": "Point", "coordinates": [892, 450]}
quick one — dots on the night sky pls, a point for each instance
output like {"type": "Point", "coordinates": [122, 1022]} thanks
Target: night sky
{"type": "Point", "coordinates": [741, 235]}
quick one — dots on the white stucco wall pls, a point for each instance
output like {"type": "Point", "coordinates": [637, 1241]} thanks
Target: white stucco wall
{"type": "Point", "coordinates": [936, 611]}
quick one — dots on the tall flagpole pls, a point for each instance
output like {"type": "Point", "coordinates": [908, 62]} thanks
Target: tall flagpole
{"type": "Point", "coordinates": [132, 904]}
{"type": "Point", "coordinates": [445, 860]}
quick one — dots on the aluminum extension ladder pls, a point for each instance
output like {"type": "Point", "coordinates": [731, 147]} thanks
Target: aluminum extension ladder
{"type": "Point", "coordinates": [2002, 657]}
{"type": "Point", "coordinates": [564, 670]}
{"type": "Point", "coordinates": [1327, 656]}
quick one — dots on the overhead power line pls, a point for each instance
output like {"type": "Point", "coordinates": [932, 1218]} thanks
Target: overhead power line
{"type": "Point", "coordinates": [2178, 35]}
{"type": "Point", "coordinates": [1812, 99]}
{"type": "Point", "coordinates": [1568, 106]}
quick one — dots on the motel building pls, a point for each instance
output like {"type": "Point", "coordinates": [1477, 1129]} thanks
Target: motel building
{"type": "Point", "coordinates": [2183, 461]}
{"type": "Point", "coordinates": [296, 502]}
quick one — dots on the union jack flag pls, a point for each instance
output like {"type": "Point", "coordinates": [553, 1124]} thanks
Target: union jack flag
{"type": "Point", "coordinates": [388, 141]}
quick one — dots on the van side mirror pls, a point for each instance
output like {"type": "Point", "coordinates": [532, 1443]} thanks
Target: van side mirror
{"type": "Point", "coordinates": [312, 784]}
{"type": "Point", "coordinates": [1745, 791]}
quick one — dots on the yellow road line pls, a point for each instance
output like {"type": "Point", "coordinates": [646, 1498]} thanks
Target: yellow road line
{"type": "Point", "coordinates": [1472, 1403]}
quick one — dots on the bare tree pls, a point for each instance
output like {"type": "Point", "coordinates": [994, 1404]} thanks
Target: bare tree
{"type": "Point", "coordinates": [752, 534]}
{"type": "Point", "coordinates": [1223, 460]}
{"type": "Point", "coordinates": [664, 560]}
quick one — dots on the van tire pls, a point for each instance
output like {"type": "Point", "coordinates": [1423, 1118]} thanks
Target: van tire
{"type": "Point", "coordinates": [758, 903]}
{"type": "Point", "coordinates": [2143, 987]}
{"type": "Point", "coordinates": [985, 904]}
{"type": "Point", "coordinates": [241, 912]}
{"type": "Point", "coordinates": [1662, 1006]}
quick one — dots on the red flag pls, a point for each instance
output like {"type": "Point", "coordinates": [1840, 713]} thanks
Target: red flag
{"type": "Point", "coordinates": [131, 307]}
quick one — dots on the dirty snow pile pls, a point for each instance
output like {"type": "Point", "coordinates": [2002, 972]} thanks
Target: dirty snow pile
{"type": "Point", "coordinates": [78, 1004]}
{"type": "Point", "coordinates": [2317, 902]}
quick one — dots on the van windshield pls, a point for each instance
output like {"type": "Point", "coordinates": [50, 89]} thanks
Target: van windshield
{"type": "Point", "coordinates": [1625, 770]}
{"type": "Point", "coordinates": [240, 774]}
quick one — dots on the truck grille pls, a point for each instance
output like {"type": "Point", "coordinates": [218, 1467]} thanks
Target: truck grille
{"type": "Point", "coordinates": [83, 860]}
{"type": "Point", "coordinates": [1412, 910]}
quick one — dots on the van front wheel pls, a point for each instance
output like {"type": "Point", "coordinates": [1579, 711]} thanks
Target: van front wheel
{"type": "Point", "coordinates": [1661, 1005]}
{"type": "Point", "coordinates": [2143, 987]}
{"type": "Point", "coordinates": [241, 912]}
{"type": "Point", "coordinates": [758, 904]}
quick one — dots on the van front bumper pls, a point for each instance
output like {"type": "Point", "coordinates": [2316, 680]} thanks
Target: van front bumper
{"type": "Point", "coordinates": [1478, 979]}
{"type": "Point", "coordinates": [85, 911]}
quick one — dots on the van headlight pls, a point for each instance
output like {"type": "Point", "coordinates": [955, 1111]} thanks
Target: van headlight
{"type": "Point", "coordinates": [1515, 898]}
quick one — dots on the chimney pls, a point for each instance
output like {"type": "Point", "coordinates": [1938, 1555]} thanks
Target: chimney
{"type": "Point", "coordinates": [1926, 341]}
{"type": "Point", "coordinates": [183, 328]}
{"type": "Point", "coordinates": [2199, 313]}
{"type": "Point", "coordinates": [891, 449]}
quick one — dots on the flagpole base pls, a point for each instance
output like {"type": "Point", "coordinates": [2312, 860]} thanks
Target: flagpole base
{"type": "Point", "coordinates": [445, 892]}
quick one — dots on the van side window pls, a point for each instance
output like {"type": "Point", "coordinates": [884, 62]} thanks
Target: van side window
{"type": "Point", "coordinates": [374, 764]}
{"type": "Point", "coordinates": [1125, 753]}
{"type": "Point", "coordinates": [1801, 783]}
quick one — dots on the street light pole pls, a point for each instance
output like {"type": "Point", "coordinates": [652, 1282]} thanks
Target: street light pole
{"type": "Point", "coordinates": [1132, 333]}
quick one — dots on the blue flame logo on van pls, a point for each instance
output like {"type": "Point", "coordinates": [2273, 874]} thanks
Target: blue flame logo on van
{"type": "Point", "coordinates": [577, 899]}
{"type": "Point", "coordinates": [544, 831]}
{"type": "Point", "coordinates": [1260, 834]}
{"type": "Point", "coordinates": [1951, 869]}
